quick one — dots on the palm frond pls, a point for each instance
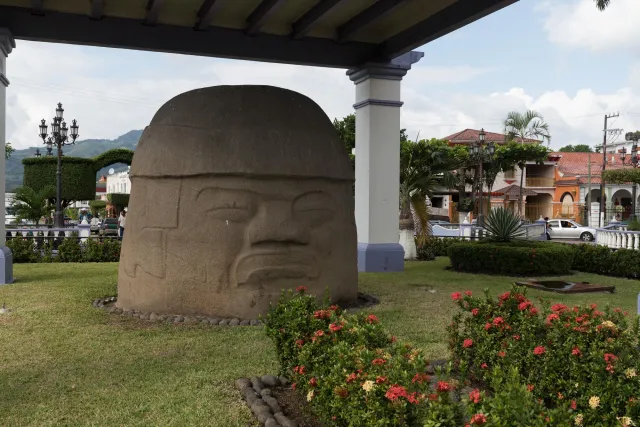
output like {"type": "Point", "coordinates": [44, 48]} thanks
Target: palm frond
{"type": "Point", "coordinates": [503, 225]}
{"type": "Point", "coordinates": [602, 4]}
{"type": "Point", "coordinates": [419, 203]}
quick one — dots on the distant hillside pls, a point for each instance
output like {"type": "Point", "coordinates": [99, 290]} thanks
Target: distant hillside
{"type": "Point", "coordinates": [84, 148]}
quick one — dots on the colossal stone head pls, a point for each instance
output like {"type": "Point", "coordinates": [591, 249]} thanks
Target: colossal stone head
{"type": "Point", "coordinates": [237, 193]}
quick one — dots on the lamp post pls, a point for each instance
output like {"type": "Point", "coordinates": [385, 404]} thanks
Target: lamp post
{"type": "Point", "coordinates": [37, 153]}
{"type": "Point", "coordinates": [59, 137]}
{"type": "Point", "coordinates": [481, 154]}
{"type": "Point", "coordinates": [632, 136]}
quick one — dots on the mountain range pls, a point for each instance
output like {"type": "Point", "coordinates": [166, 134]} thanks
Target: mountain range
{"type": "Point", "coordinates": [85, 148]}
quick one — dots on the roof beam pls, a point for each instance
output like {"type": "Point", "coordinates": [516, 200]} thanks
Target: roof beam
{"type": "Point", "coordinates": [205, 14]}
{"type": "Point", "coordinates": [376, 11]}
{"type": "Point", "coordinates": [449, 19]}
{"type": "Point", "coordinates": [309, 20]}
{"type": "Point", "coordinates": [37, 7]}
{"type": "Point", "coordinates": [124, 33]}
{"type": "Point", "coordinates": [260, 14]}
{"type": "Point", "coordinates": [153, 10]}
{"type": "Point", "coordinates": [97, 8]}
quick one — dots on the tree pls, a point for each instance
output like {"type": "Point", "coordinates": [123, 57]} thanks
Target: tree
{"type": "Point", "coordinates": [602, 4]}
{"type": "Point", "coordinates": [423, 166]}
{"type": "Point", "coordinates": [528, 125]}
{"type": "Point", "coordinates": [32, 205]}
{"type": "Point", "coordinates": [8, 150]}
{"type": "Point", "coordinates": [579, 148]}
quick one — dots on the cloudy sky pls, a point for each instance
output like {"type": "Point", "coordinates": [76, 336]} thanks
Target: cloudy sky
{"type": "Point", "coordinates": [562, 58]}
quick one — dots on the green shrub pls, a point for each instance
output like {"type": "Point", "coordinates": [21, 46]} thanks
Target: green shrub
{"type": "Point", "coordinates": [23, 250]}
{"type": "Point", "coordinates": [438, 246]}
{"type": "Point", "coordinates": [581, 356]}
{"type": "Point", "coordinates": [93, 251]}
{"type": "Point", "coordinates": [111, 249]}
{"type": "Point", "coordinates": [512, 259]}
{"type": "Point", "coordinates": [634, 224]}
{"type": "Point", "coordinates": [602, 260]}
{"type": "Point", "coordinates": [69, 250]}
{"type": "Point", "coordinates": [504, 225]}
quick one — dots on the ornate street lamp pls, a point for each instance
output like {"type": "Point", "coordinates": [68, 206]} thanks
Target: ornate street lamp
{"type": "Point", "coordinates": [480, 154]}
{"type": "Point", "coordinates": [59, 137]}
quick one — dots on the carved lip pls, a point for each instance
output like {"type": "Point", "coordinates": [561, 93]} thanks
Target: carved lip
{"type": "Point", "coordinates": [263, 266]}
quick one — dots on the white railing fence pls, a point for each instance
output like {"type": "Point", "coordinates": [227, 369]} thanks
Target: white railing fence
{"type": "Point", "coordinates": [618, 239]}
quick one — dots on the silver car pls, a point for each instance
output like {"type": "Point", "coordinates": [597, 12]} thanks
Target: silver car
{"type": "Point", "coordinates": [567, 229]}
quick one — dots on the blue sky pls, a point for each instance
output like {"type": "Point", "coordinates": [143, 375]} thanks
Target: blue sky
{"type": "Point", "coordinates": [563, 58]}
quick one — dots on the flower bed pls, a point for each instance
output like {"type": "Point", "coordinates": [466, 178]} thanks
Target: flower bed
{"type": "Point", "coordinates": [576, 355]}
{"type": "Point", "coordinates": [512, 258]}
{"type": "Point", "coordinates": [354, 374]}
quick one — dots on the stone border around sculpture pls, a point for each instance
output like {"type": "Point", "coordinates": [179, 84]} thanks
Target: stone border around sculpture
{"type": "Point", "coordinates": [107, 304]}
{"type": "Point", "coordinates": [258, 396]}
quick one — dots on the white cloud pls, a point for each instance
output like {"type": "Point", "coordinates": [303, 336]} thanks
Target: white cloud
{"type": "Point", "coordinates": [110, 106]}
{"type": "Point", "coordinates": [579, 23]}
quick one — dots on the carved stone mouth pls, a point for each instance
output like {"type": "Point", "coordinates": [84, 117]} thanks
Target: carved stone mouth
{"type": "Point", "coordinates": [258, 267]}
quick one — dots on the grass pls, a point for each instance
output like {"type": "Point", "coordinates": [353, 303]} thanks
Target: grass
{"type": "Point", "coordinates": [64, 362]}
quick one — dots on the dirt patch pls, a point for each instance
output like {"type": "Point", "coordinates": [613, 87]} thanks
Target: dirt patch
{"type": "Point", "coordinates": [294, 406]}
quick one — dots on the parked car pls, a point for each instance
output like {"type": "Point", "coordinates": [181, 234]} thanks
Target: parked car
{"type": "Point", "coordinates": [95, 223]}
{"type": "Point", "coordinates": [567, 229]}
{"type": "Point", "coordinates": [109, 227]}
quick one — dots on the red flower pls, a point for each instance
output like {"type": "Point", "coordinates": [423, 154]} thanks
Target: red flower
{"type": "Point", "coordinates": [372, 319]}
{"type": "Point", "coordinates": [478, 419]}
{"type": "Point", "coordinates": [533, 311]}
{"type": "Point", "coordinates": [443, 386]}
{"type": "Point", "coordinates": [558, 307]}
{"type": "Point", "coordinates": [433, 397]}
{"type": "Point", "coordinates": [484, 366]}
{"type": "Point", "coordinates": [299, 343]}
{"type": "Point", "coordinates": [293, 386]}
{"type": "Point", "coordinates": [498, 321]}
{"type": "Point", "coordinates": [333, 307]}
{"type": "Point", "coordinates": [302, 289]}
{"type": "Point", "coordinates": [475, 311]}
{"type": "Point", "coordinates": [414, 398]}
{"type": "Point", "coordinates": [516, 337]}
{"type": "Point", "coordinates": [539, 351]}
{"type": "Point", "coordinates": [487, 326]}
{"type": "Point", "coordinates": [313, 382]}
{"type": "Point", "coordinates": [351, 378]}
{"type": "Point", "coordinates": [395, 391]}
{"type": "Point", "coordinates": [474, 396]}
{"type": "Point", "coordinates": [610, 368]}
{"type": "Point", "coordinates": [394, 339]}
{"type": "Point", "coordinates": [524, 305]}
{"type": "Point", "coordinates": [501, 354]}
{"type": "Point", "coordinates": [299, 370]}
{"type": "Point", "coordinates": [552, 317]}
{"type": "Point", "coordinates": [574, 405]}
{"type": "Point", "coordinates": [456, 296]}
{"type": "Point", "coordinates": [467, 343]}
{"type": "Point", "coordinates": [378, 362]}
{"type": "Point", "coordinates": [576, 351]}
{"type": "Point", "coordinates": [322, 314]}
{"type": "Point", "coordinates": [334, 327]}
{"type": "Point", "coordinates": [593, 306]}
{"type": "Point", "coordinates": [420, 378]}
{"type": "Point", "coordinates": [530, 387]}
{"type": "Point", "coordinates": [505, 296]}
{"type": "Point", "coordinates": [380, 380]}
{"type": "Point", "coordinates": [319, 333]}
{"type": "Point", "coordinates": [608, 357]}
{"type": "Point", "coordinates": [342, 392]}
{"type": "Point", "coordinates": [468, 293]}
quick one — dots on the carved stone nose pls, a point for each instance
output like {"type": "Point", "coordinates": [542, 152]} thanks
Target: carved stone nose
{"type": "Point", "coordinates": [274, 223]}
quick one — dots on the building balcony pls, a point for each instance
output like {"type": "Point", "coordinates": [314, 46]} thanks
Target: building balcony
{"type": "Point", "coordinates": [540, 182]}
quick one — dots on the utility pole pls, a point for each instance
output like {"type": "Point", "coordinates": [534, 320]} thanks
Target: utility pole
{"type": "Point", "coordinates": [604, 164]}
{"type": "Point", "coordinates": [589, 220]}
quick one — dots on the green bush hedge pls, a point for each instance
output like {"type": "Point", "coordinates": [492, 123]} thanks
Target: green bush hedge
{"type": "Point", "coordinates": [438, 246]}
{"type": "Point", "coordinates": [512, 258]}
{"type": "Point", "coordinates": [70, 249]}
{"type": "Point", "coordinates": [602, 260]}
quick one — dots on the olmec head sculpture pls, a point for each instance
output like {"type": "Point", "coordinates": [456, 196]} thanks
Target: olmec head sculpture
{"type": "Point", "coordinates": [237, 193]}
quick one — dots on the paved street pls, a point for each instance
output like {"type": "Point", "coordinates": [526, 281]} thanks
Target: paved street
{"type": "Point", "coordinates": [572, 241]}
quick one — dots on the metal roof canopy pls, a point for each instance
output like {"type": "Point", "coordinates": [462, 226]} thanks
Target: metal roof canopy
{"type": "Point", "coordinates": [327, 33]}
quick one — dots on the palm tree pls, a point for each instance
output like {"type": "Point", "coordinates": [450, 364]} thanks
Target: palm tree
{"type": "Point", "coordinates": [8, 150]}
{"type": "Point", "coordinates": [602, 4]}
{"type": "Point", "coordinates": [530, 125]}
{"type": "Point", "coordinates": [30, 204]}
{"type": "Point", "coordinates": [423, 166]}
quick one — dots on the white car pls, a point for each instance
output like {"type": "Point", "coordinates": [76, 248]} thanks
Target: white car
{"type": "Point", "coordinates": [567, 229]}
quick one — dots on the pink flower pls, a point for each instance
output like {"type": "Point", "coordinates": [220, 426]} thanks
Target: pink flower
{"type": "Point", "coordinates": [558, 307]}
{"type": "Point", "coordinates": [552, 317]}
{"type": "Point", "coordinates": [467, 343]}
{"type": "Point", "coordinates": [302, 289]}
{"type": "Point", "coordinates": [372, 319]}
{"type": "Point", "coordinates": [335, 327]}
{"type": "Point", "coordinates": [498, 321]}
{"type": "Point", "coordinates": [484, 366]}
{"type": "Point", "coordinates": [576, 351]}
{"type": "Point", "coordinates": [524, 305]}
{"type": "Point", "coordinates": [475, 311]}
{"type": "Point", "coordinates": [608, 357]}
{"type": "Point", "coordinates": [468, 293]}
{"type": "Point", "coordinates": [313, 382]}
{"type": "Point", "coordinates": [474, 396]}
{"type": "Point", "coordinates": [395, 392]}
{"type": "Point", "coordinates": [487, 326]}
{"type": "Point", "coordinates": [443, 386]}
{"type": "Point", "coordinates": [456, 296]}
{"type": "Point", "coordinates": [539, 351]}
{"type": "Point", "coordinates": [479, 419]}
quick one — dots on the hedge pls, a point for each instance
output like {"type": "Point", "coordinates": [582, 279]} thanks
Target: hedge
{"type": "Point", "coordinates": [436, 246]}
{"type": "Point", "coordinates": [78, 173]}
{"type": "Point", "coordinates": [512, 258]}
{"type": "Point", "coordinates": [602, 260]}
{"type": "Point", "coordinates": [70, 249]}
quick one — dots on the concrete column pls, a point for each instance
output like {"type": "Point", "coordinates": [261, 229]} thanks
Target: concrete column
{"type": "Point", "coordinates": [7, 43]}
{"type": "Point", "coordinates": [378, 162]}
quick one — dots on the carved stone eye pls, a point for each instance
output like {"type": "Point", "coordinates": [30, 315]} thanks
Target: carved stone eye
{"type": "Point", "coordinates": [315, 207]}
{"type": "Point", "coordinates": [227, 205]}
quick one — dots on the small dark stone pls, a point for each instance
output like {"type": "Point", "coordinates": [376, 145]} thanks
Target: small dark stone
{"type": "Point", "coordinates": [284, 421]}
{"type": "Point", "coordinates": [178, 319]}
{"type": "Point", "coordinates": [251, 398]}
{"type": "Point", "coordinates": [283, 380]}
{"type": "Point", "coordinates": [259, 406]}
{"type": "Point", "coordinates": [190, 320]}
{"type": "Point", "coordinates": [244, 323]}
{"type": "Point", "coordinates": [254, 322]}
{"type": "Point", "coordinates": [273, 403]}
{"type": "Point", "coordinates": [117, 310]}
{"type": "Point", "coordinates": [223, 322]}
{"type": "Point", "coordinates": [249, 391]}
{"type": "Point", "coordinates": [144, 316]}
{"type": "Point", "coordinates": [257, 384]}
{"type": "Point", "coordinates": [234, 322]}
{"type": "Point", "coordinates": [95, 302]}
{"type": "Point", "coordinates": [243, 383]}
{"type": "Point", "coordinates": [162, 317]}
{"type": "Point", "coordinates": [265, 392]}
{"type": "Point", "coordinates": [213, 321]}
{"type": "Point", "coordinates": [262, 417]}
{"type": "Point", "coordinates": [270, 380]}
{"type": "Point", "coordinates": [271, 423]}
{"type": "Point", "coordinates": [153, 317]}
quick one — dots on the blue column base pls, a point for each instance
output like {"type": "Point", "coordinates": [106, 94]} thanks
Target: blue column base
{"type": "Point", "coordinates": [380, 257]}
{"type": "Point", "coordinates": [6, 265]}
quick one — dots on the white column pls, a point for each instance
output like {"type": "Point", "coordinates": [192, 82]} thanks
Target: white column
{"type": "Point", "coordinates": [7, 43]}
{"type": "Point", "coordinates": [378, 162]}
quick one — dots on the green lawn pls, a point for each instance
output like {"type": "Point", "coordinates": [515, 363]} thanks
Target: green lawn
{"type": "Point", "coordinates": [64, 362]}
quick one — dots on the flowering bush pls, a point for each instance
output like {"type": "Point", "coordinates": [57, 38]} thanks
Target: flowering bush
{"type": "Point", "coordinates": [354, 374]}
{"type": "Point", "coordinates": [580, 355]}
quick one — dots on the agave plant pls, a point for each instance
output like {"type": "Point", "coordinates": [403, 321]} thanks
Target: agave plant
{"type": "Point", "coordinates": [503, 225]}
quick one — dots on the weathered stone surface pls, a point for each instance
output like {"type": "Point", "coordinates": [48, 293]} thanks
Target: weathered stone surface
{"type": "Point", "coordinates": [190, 320]}
{"type": "Point", "coordinates": [272, 403]}
{"type": "Point", "coordinates": [224, 322]}
{"type": "Point", "coordinates": [234, 322]}
{"type": "Point", "coordinates": [243, 383]}
{"type": "Point", "coordinates": [270, 380]}
{"type": "Point", "coordinates": [263, 416]}
{"type": "Point", "coordinates": [254, 322]}
{"type": "Point", "coordinates": [178, 319]}
{"type": "Point", "coordinates": [154, 317]}
{"type": "Point", "coordinates": [244, 323]}
{"type": "Point", "coordinates": [259, 406]}
{"type": "Point", "coordinates": [271, 423]}
{"type": "Point", "coordinates": [117, 310]}
{"type": "Point", "coordinates": [284, 421]}
{"type": "Point", "coordinates": [248, 391]}
{"type": "Point", "coordinates": [283, 380]}
{"type": "Point", "coordinates": [214, 321]}
{"type": "Point", "coordinates": [257, 384]}
{"type": "Point", "coordinates": [144, 316]}
{"type": "Point", "coordinates": [266, 392]}
{"type": "Point", "coordinates": [175, 261]}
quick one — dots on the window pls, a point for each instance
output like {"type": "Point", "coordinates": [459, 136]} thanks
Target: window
{"type": "Point", "coordinates": [554, 224]}
{"type": "Point", "coordinates": [566, 224]}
